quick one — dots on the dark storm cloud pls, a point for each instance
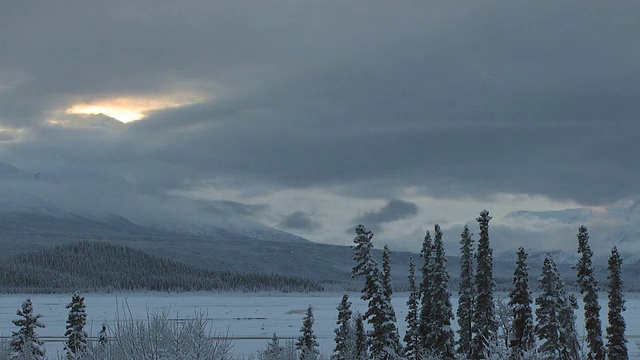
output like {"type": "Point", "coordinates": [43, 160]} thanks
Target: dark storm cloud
{"type": "Point", "coordinates": [299, 221]}
{"type": "Point", "coordinates": [230, 208]}
{"type": "Point", "coordinates": [455, 99]}
{"type": "Point", "coordinates": [394, 210]}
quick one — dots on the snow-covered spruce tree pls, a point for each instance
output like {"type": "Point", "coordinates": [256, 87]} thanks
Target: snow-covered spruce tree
{"type": "Point", "coordinates": [274, 349]}
{"type": "Point", "coordinates": [522, 333]}
{"type": "Point", "coordinates": [441, 337]}
{"type": "Point", "coordinates": [616, 339]}
{"type": "Point", "coordinates": [103, 338]}
{"type": "Point", "coordinates": [307, 343]}
{"type": "Point", "coordinates": [412, 336]}
{"type": "Point", "coordinates": [76, 336]}
{"type": "Point", "coordinates": [383, 338]}
{"type": "Point", "coordinates": [555, 319]}
{"type": "Point", "coordinates": [569, 333]}
{"type": "Point", "coordinates": [466, 295]}
{"type": "Point", "coordinates": [366, 266]}
{"type": "Point", "coordinates": [343, 349]}
{"type": "Point", "coordinates": [360, 338]}
{"type": "Point", "coordinates": [485, 326]}
{"type": "Point", "coordinates": [588, 284]}
{"type": "Point", "coordinates": [547, 313]}
{"type": "Point", "coordinates": [25, 342]}
{"type": "Point", "coordinates": [424, 326]}
{"type": "Point", "coordinates": [390, 314]}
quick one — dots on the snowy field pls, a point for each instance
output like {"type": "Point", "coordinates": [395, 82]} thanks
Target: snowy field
{"type": "Point", "coordinates": [250, 318]}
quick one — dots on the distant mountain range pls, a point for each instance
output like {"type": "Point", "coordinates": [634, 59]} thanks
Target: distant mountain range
{"type": "Point", "coordinates": [618, 224]}
{"type": "Point", "coordinates": [233, 244]}
{"type": "Point", "coordinates": [255, 250]}
{"type": "Point", "coordinates": [218, 249]}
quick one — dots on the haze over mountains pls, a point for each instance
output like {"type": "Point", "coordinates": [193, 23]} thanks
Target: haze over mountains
{"type": "Point", "coordinates": [220, 238]}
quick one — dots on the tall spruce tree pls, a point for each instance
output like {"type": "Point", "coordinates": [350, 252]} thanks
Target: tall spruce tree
{"type": "Point", "coordinates": [588, 284]}
{"type": "Point", "coordinates": [383, 338]}
{"type": "Point", "coordinates": [360, 352]}
{"type": "Point", "coordinates": [485, 326]}
{"type": "Point", "coordinates": [556, 321]}
{"type": "Point", "coordinates": [441, 337]}
{"type": "Point", "coordinates": [307, 343]}
{"type": "Point", "coordinates": [25, 343]}
{"type": "Point", "coordinates": [390, 314]}
{"type": "Point", "coordinates": [76, 343]}
{"type": "Point", "coordinates": [343, 338]}
{"type": "Point", "coordinates": [424, 326]}
{"type": "Point", "coordinates": [466, 295]}
{"type": "Point", "coordinates": [412, 336]}
{"type": "Point", "coordinates": [366, 266]}
{"type": "Point", "coordinates": [616, 339]}
{"type": "Point", "coordinates": [522, 333]}
{"type": "Point", "coordinates": [569, 332]}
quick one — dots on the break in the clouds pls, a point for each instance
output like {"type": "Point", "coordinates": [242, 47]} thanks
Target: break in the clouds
{"type": "Point", "coordinates": [364, 100]}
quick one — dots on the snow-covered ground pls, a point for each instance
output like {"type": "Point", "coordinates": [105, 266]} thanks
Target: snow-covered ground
{"type": "Point", "coordinates": [250, 318]}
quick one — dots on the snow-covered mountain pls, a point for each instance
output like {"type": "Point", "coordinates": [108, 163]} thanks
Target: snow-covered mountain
{"type": "Point", "coordinates": [567, 216]}
{"type": "Point", "coordinates": [257, 249]}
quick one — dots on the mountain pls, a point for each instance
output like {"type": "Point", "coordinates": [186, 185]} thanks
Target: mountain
{"type": "Point", "coordinates": [567, 216]}
{"type": "Point", "coordinates": [250, 250]}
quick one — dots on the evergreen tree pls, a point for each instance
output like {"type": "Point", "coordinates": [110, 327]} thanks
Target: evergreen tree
{"type": "Point", "coordinates": [360, 338]}
{"type": "Point", "coordinates": [25, 342]}
{"type": "Point", "coordinates": [556, 321]}
{"type": "Point", "coordinates": [569, 333]}
{"type": "Point", "coordinates": [103, 338]}
{"type": "Point", "coordinates": [616, 339]}
{"type": "Point", "coordinates": [390, 314]}
{"type": "Point", "coordinates": [588, 284]}
{"type": "Point", "coordinates": [76, 336]}
{"type": "Point", "coordinates": [383, 338]}
{"type": "Point", "coordinates": [522, 334]}
{"type": "Point", "coordinates": [466, 295]}
{"type": "Point", "coordinates": [366, 266]}
{"type": "Point", "coordinates": [274, 349]}
{"type": "Point", "coordinates": [387, 291]}
{"type": "Point", "coordinates": [485, 326]}
{"type": "Point", "coordinates": [547, 313]}
{"type": "Point", "coordinates": [412, 336]}
{"type": "Point", "coordinates": [343, 338]}
{"type": "Point", "coordinates": [441, 337]}
{"type": "Point", "coordinates": [307, 342]}
{"type": "Point", "coordinates": [425, 292]}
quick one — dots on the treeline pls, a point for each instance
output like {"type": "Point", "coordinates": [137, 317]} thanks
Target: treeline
{"type": "Point", "coordinates": [99, 266]}
{"type": "Point", "coordinates": [488, 329]}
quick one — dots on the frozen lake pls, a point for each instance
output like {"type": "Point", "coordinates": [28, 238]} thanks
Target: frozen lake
{"type": "Point", "coordinates": [251, 318]}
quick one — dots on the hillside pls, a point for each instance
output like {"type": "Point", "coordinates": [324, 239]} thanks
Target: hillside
{"type": "Point", "coordinates": [248, 251]}
{"type": "Point", "coordinates": [99, 266]}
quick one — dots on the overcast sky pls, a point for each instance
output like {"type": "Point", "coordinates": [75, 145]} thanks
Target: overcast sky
{"type": "Point", "coordinates": [314, 116]}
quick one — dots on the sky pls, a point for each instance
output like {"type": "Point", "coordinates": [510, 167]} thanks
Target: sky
{"type": "Point", "coordinates": [312, 117]}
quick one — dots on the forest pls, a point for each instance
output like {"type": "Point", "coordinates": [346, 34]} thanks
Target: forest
{"type": "Point", "coordinates": [99, 266]}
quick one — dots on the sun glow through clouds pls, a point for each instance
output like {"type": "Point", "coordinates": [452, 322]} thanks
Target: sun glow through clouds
{"type": "Point", "coordinates": [127, 109]}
